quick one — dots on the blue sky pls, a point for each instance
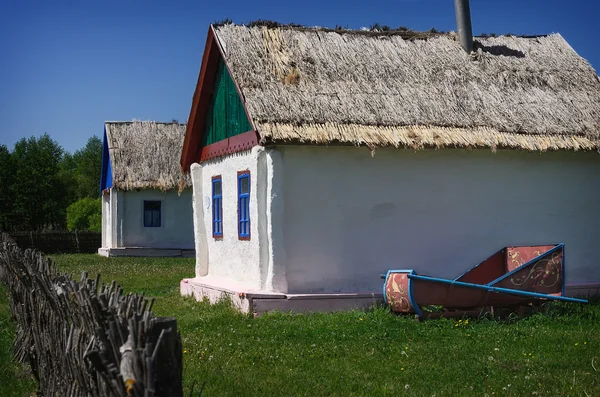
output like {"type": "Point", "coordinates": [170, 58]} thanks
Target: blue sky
{"type": "Point", "coordinates": [68, 66]}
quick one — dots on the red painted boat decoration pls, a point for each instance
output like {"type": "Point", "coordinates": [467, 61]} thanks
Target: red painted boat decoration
{"type": "Point", "coordinates": [512, 276]}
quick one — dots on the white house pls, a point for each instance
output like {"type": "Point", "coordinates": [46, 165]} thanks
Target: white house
{"type": "Point", "coordinates": [143, 212]}
{"type": "Point", "coordinates": [322, 158]}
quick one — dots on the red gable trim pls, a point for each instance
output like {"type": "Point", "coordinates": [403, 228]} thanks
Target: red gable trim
{"type": "Point", "coordinates": [238, 143]}
{"type": "Point", "coordinates": [192, 152]}
{"type": "Point", "coordinates": [200, 102]}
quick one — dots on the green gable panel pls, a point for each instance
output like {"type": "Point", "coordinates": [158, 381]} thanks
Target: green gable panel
{"type": "Point", "coordinates": [226, 115]}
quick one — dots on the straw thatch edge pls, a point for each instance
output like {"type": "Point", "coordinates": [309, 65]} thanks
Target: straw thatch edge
{"type": "Point", "coordinates": [515, 85]}
{"type": "Point", "coordinates": [145, 155]}
{"type": "Point", "coordinates": [419, 137]}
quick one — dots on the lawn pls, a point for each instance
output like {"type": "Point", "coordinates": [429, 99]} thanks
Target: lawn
{"type": "Point", "coordinates": [356, 353]}
{"type": "Point", "coordinates": [15, 380]}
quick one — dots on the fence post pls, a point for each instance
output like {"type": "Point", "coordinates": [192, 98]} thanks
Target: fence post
{"type": "Point", "coordinates": [77, 241]}
{"type": "Point", "coordinates": [167, 357]}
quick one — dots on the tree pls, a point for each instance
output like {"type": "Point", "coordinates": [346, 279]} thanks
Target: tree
{"type": "Point", "coordinates": [95, 220]}
{"type": "Point", "coordinates": [68, 176]}
{"type": "Point", "coordinates": [39, 193]}
{"type": "Point", "coordinates": [8, 172]}
{"type": "Point", "coordinates": [39, 180]}
{"type": "Point", "coordinates": [88, 167]}
{"type": "Point", "coordinates": [85, 214]}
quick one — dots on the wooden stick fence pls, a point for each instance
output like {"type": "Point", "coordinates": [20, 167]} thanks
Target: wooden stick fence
{"type": "Point", "coordinates": [59, 241]}
{"type": "Point", "coordinates": [86, 338]}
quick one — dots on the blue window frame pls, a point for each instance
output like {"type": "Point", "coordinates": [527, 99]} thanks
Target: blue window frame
{"type": "Point", "coordinates": [152, 213]}
{"type": "Point", "coordinates": [217, 206]}
{"type": "Point", "coordinates": [244, 205]}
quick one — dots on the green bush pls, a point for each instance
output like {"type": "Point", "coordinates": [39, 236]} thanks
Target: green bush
{"type": "Point", "coordinates": [95, 222]}
{"type": "Point", "coordinates": [85, 214]}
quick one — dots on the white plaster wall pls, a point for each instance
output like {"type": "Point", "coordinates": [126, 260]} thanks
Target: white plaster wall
{"type": "Point", "coordinates": [349, 216]}
{"type": "Point", "coordinates": [110, 225]}
{"type": "Point", "coordinates": [271, 208]}
{"type": "Point", "coordinates": [106, 223]}
{"type": "Point", "coordinates": [116, 218]}
{"type": "Point", "coordinates": [176, 230]}
{"type": "Point", "coordinates": [200, 233]}
{"type": "Point", "coordinates": [228, 257]}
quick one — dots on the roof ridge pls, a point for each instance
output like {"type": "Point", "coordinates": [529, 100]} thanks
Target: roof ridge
{"type": "Point", "coordinates": [375, 30]}
{"type": "Point", "coordinates": [142, 121]}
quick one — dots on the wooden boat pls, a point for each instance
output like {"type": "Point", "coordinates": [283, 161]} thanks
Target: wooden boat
{"type": "Point", "coordinates": [513, 276]}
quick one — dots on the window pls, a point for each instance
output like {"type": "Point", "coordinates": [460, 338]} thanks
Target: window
{"type": "Point", "coordinates": [244, 205]}
{"type": "Point", "coordinates": [217, 206]}
{"type": "Point", "coordinates": [151, 213]}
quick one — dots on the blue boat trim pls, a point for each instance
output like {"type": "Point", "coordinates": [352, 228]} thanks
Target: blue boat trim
{"type": "Point", "coordinates": [497, 289]}
{"type": "Point", "coordinates": [504, 249]}
{"type": "Point", "coordinates": [537, 258]}
{"type": "Point", "coordinates": [384, 284]}
{"type": "Point", "coordinates": [411, 299]}
{"type": "Point", "coordinates": [388, 274]}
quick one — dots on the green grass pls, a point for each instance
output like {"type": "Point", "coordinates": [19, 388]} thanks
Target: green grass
{"type": "Point", "coordinates": [357, 353]}
{"type": "Point", "coordinates": [15, 379]}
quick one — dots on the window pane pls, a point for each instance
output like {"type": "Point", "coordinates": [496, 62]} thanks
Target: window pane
{"type": "Point", "coordinates": [217, 188]}
{"type": "Point", "coordinates": [151, 213]}
{"type": "Point", "coordinates": [244, 205]}
{"type": "Point", "coordinates": [244, 185]}
{"type": "Point", "coordinates": [151, 205]}
{"type": "Point", "coordinates": [216, 212]}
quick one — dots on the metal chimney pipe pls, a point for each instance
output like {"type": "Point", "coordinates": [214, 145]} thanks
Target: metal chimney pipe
{"type": "Point", "coordinates": [463, 24]}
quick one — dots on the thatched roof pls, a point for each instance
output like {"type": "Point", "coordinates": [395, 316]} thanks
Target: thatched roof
{"type": "Point", "coordinates": [321, 86]}
{"type": "Point", "coordinates": [145, 154]}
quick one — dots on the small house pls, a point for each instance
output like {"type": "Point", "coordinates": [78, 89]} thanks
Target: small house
{"type": "Point", "coordinates": [146, 200]}
{"type": "Point", "coordinates": [321, 158]}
